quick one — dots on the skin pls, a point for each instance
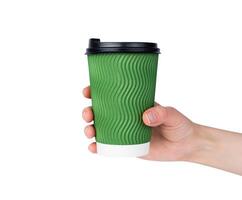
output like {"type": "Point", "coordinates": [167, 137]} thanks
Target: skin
{"type": "Point", "coordinates": [177, 138]}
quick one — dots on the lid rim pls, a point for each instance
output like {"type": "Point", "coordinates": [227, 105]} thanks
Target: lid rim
{"type": "Point", "coordinates": [95, 46]}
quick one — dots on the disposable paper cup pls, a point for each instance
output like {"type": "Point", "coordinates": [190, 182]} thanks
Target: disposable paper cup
{"type": "Point", "coordinates": [122, 79]}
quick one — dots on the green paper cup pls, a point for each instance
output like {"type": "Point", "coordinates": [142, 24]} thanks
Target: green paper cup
{"type": "Point", "coordinates": [122, 79]}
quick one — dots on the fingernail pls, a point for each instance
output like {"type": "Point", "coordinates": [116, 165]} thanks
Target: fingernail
{"type": "Point", "coordinates": [151, 117]}
{"type": "Point", "coordinates": [86, 129]}
{"type": "Point", "coordinates": [84, 113]}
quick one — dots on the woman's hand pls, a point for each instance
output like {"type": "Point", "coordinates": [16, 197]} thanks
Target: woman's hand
{"type": "Point", "coordinates": [176, 138]}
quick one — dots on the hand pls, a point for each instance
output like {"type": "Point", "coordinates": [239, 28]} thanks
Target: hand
{"type": "Point", "coordinates": [175, 137]}
{"type": "Point", "coordinates": [172, 133]}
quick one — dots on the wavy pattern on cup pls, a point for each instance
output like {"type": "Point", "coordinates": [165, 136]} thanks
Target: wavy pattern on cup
{"type": "Point", "coordinates": [123, 87]}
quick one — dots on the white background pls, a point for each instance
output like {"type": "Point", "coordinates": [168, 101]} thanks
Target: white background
{"type": "Point", "coordinates": [43, 151]}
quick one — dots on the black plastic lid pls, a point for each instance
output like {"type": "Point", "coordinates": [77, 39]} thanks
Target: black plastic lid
{"type": "Point", "coordinates": [96, 46]}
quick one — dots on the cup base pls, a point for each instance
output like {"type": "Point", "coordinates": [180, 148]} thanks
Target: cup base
{"type": "Point", "coordinates": [134, 150]}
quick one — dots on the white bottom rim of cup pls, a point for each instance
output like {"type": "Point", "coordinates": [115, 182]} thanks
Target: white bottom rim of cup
{"type": "Point", "coordinates": [132, 150]}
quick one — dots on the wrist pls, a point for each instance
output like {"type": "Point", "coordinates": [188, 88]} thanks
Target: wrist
{"type": "Point", "coordinates": [205, 145]}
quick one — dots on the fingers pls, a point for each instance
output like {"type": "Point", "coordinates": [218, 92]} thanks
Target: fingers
{"type": "Point", "coordinates": [87, 114]}
{"type": "Point", "coordinates": [87, 92]}
{"type": "Point", "coordinates": [89, 131]}
{"type": "Point", "coordinates": [158, 115]}
{"type": "Point", "coordinates": [92, 147]}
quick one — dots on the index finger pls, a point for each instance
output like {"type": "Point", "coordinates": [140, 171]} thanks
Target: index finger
{"type": "Point", "coordinates": [87, 92]}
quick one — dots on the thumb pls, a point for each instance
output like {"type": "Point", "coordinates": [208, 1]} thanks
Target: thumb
{"type": "Point", "coordinates": [159, 115]}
